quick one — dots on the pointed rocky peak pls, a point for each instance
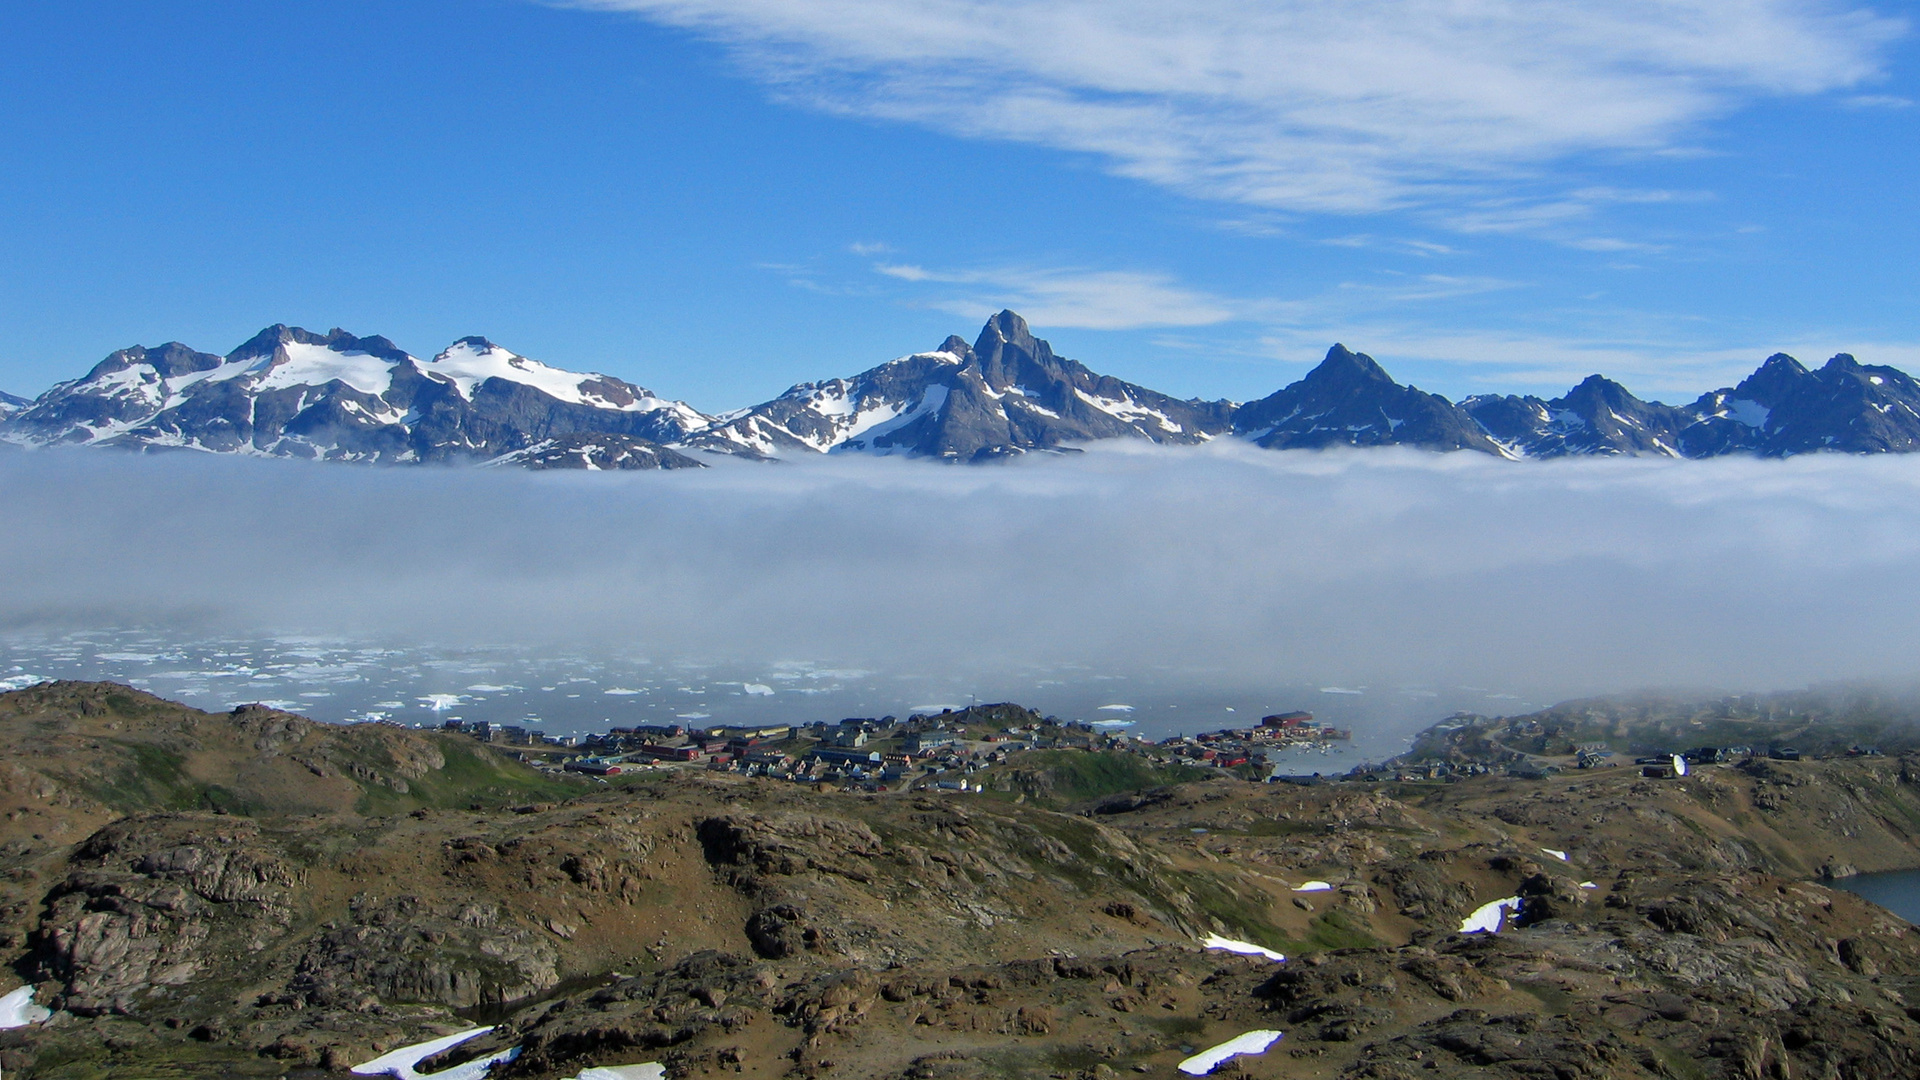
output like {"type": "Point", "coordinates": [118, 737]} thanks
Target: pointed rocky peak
{"type": "Point", "coordinates": [264, 342]}
{"type": "Point", "coordinates": [1344, 367]}
{"type": "Point", "coordinates": [1778, 376]}
{"type": "Point", "coordinates": [1597, 392]}
{"type": "Point", "coordinates": [1006, 328]}
{"type": "Point", "coordinates": [958, 346]}
{"type": "Point", "coordinates": [1842, 363]}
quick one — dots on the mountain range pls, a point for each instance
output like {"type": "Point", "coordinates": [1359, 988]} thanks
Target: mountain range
{"type": "Point", "coordinates": [289, 392]}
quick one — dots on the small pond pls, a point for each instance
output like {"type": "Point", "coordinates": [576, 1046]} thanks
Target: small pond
{"type": "Point", "coordinates": [1897, 890]}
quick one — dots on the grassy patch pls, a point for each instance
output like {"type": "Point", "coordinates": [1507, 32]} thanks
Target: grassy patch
{"type": "Point", "coordinates": [472, 775]}
{"type": "Point", "coordinates": [150, 778]}
{"type": "Point", "coordinates": [1336, 930]}
{"type": "Point", "coordinates": [1678, 1064]}
{"type": "Point", "coordinates": [1068, 776]}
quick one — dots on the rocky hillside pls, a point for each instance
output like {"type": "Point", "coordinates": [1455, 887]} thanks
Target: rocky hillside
{"type": "Point", "coordinates": [292, 393]}
{"type": "Point", "coordinates": [721, 925]}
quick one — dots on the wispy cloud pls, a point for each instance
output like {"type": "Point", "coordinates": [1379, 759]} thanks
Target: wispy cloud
{"type": "Point", "coordinates": [1301, 104]}
{"type": "Point", "coordinates": [1080, 299]}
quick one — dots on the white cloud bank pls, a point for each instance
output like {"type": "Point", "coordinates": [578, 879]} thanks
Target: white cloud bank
{"type": "Point", "coordinates": [1242, 567]}
{"type": "Point", "coordinates": [1304, 104]}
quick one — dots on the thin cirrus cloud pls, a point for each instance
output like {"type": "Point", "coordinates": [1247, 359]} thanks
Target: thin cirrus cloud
{"type": "Point", "coordinates": [1346, 107]}
{"type": "Point", "coordinates": [1080, 299]}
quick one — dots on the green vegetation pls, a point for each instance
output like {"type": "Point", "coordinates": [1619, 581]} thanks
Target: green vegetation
{"type": "Point", "coordinates": [1060, 777]}
{"type": "Point", "coordinates": [471, 776]}
{"type": "Point", "coordinates": [150, 778]}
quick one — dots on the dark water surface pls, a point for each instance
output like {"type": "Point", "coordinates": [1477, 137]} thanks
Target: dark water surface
{"type": "Point", "coordinates": [1896, 890]}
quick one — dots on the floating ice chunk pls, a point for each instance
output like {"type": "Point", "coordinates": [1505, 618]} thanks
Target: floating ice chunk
{"type": "Point", "coordinates": [18, 1010]}
{"type": "Point", "coordinates": [1561, 855]}
{"type": "Point", "coordinates": [649, 1071]}
{"type": "Point", "coordinates": [1245, 948]}
{"type": "Point", "coordinates": [1487, 917]}
{"type": "Point", "coordinates": [441, 702]}
{"type": "Point", "coordinates": [619, 691]}
{"type": "Point", "coordinates": [1313, 886]}
{"type": "Point", "coordinates": [1679, 765]}
{"type": "Point", "coordinates": [1116, 708]}
{"type": "Point", "coordinates": [757, 689]}
{"type": "Point", "coordinates": [1253, 1042]}
{"type": "Point", "coordinates": [399, 1063]}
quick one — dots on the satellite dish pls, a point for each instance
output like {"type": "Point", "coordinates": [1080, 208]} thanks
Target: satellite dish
{"type": "Point", "coordinates": [1679, 765]}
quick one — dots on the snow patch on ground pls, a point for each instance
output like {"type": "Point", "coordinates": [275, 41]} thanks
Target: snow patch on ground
{"type": "Point", "coordinates": [1244, 948]}
{"type": "Point", "coordinates": [400, 1063]}
{"type": "Point", "coordinates": [18, 1010]}
{"type": "Point", "coordinates": [1313, 886]}
{"type": "Point", "coordinates": [1486, 918]}
{"type": "Point", "coordinates": [649, 1071]}
{"type": "Point", "coordinates": [1253, 1042]}
{"type": "Point", "coordinates": [1561, 855]}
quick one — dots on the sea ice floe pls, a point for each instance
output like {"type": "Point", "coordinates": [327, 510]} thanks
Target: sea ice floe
{"type": "Point", "coordinates": [1487, 917]}
{"type": "Point", "coordinates": [1561, 855]}
{"type": "Point", "coordinates": [18, 1010]}
{"type": "Point", "coordinates": [1245, 948]}
{"type": "Point", "coordinates": [1313, 886]}
{"type": "Point", "coordinates": [1253, 1042]}
{"type": "Point", "coordinates": [757, 689]}
{"type": "Point", "coordinates": [441, 702]}
{"type": "Point", "coordinates": [1116, 708]}
{"type": "Point", "coordinates": [400, 1063]}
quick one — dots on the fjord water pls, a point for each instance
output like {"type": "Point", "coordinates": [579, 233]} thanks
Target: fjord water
{"type": "Point", "coordinates": [1896, 890]}
{"type": "Point", "coordinates": [566, 692]}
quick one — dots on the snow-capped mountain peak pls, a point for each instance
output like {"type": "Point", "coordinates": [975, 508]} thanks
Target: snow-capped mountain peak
{"type": "Point", "coordinates": [291, 392]}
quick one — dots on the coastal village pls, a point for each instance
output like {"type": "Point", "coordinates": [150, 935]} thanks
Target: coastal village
{"type": "Point", "coordinates": [941, 751]}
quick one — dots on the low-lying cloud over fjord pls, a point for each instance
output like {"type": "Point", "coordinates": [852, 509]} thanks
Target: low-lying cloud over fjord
{"type": "Point", "coordinates": [1239, 566]}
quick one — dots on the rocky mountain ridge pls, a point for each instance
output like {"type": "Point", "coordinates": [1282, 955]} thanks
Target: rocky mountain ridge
{"type": "Point", "coordinates": [288, 392]}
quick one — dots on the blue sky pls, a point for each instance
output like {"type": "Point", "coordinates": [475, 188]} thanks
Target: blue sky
{"type": "Point", "coordinates": [718, 198]}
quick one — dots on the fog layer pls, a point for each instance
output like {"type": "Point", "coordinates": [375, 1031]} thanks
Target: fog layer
{"type": "Point", "coordinates": [1228, 564]}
